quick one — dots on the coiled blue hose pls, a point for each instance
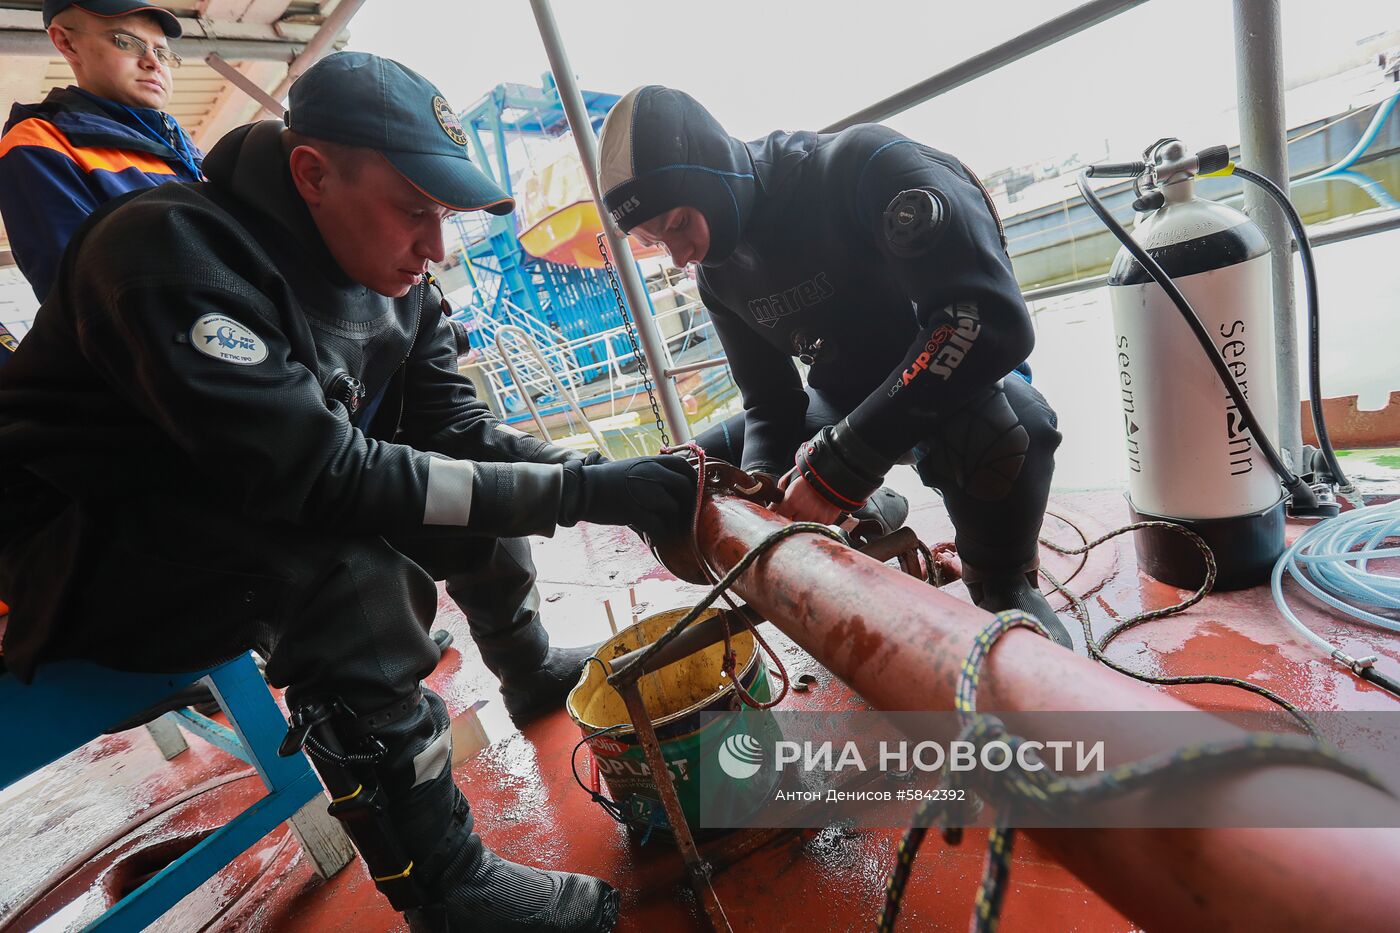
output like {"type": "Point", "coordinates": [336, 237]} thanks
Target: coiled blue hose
{"type": "Point", "coordinates": [1331, 562]}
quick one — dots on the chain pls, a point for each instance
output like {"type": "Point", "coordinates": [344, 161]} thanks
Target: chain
{"type": "Point", "coordinates": [632, 336]}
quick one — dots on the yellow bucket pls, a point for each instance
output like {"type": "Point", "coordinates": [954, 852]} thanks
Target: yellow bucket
{"type": "Point", "coordinates": [682, 699]}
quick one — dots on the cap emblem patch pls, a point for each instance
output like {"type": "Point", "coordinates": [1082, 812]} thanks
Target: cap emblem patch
{"type": "Point", "coordinates": [448, 121]}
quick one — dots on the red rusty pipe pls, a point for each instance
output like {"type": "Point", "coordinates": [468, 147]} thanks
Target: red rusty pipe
{"type": "Point", "coordinates": [899, 643]}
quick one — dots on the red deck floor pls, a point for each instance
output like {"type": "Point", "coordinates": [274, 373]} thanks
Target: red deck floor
{"type": "Point", "coordinates": [77, 833]}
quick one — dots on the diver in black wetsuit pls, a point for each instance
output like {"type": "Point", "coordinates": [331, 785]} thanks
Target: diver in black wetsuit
{"type": "Point", "coordinates": [881, 263]}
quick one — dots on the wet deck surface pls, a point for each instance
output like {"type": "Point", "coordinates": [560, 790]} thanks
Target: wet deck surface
{"type": "Point", "coordinates": [88, 827]}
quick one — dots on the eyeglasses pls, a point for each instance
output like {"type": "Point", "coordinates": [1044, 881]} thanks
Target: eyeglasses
{"type": "Point", "coordinates": [138, 48]}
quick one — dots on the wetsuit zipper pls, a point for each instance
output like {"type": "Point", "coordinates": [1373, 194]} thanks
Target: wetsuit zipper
{"type": "Point", "coordinates": [413, 341]}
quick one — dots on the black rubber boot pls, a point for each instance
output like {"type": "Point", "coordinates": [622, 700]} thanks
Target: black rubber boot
{"type": "Point", "coordinates": [999, 592]}
{"type": "Point", "coordinates": [528, 694]}
{"type": "Point", "coordinates": [396, 798]}
{"type": "Point", "coordinates": [497, 896]}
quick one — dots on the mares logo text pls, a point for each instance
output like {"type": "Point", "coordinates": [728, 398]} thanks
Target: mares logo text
{"type": "Point", "coordinates": [766, 311]}
{"type": "Point", "coordinates": [625, 208]}
{"type": "Point", "coordinates": [945, 348]}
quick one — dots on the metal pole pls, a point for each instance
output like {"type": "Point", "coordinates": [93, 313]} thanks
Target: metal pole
{"type": "Point", "coordinates": [36, 43]}
{"type": "Point", "coordinates": [319, 45]}
{"type": "Point", "coordinates": [1014, 49]}
{"type": "Point", "coordinates": [1264, 148]}
{"type": "Point", "coordinates": [653, 347]}
{"type": "Point", "coordinates": [245, 84]}
{"type": "Point", "coordinates": [900, 644]}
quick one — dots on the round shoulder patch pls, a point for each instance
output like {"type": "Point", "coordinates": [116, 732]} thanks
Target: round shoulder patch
{"type": "Point", "coordinates": [913, 221]}
{"type": "Point", "coordinates": [448, 121]}
{"type": "Point", "coordinates": [225, 339]}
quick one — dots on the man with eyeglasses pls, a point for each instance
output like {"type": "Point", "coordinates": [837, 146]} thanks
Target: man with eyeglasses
{"type": "Point", "coordinates": [82, 145]}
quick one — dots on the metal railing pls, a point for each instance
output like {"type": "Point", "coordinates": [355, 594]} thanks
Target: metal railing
{"type": "Point", "coordinates": [503, 335]}
{"type": "Point", "coordinates": [1264, 138]}
{"type": "Point", "coordinates": [1336, 231]}
{"type": "Point", "coordinates": [556, 370]}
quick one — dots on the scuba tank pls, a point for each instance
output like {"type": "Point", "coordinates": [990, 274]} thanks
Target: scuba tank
{"type": "Point", "coordinates": [1192, 299]}
{"type": "Point", "coordinates": [1191, 458]}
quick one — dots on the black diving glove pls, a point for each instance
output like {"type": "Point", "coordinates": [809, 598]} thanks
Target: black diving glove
{"type": "Point", "coordinates": [654, 495]}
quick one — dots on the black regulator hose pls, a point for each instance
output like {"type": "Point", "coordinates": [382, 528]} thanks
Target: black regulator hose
{"type": "Point", "coordinates": [1305, 255]}
{"type": "Point", "coordinates": [1300, 491]}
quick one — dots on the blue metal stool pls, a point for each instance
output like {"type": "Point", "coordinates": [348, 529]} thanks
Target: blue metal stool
{"type": "Point", "coordinates": [71, 702]}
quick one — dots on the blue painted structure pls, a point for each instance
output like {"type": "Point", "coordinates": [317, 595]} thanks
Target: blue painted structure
{"type": "Point", "coordinates": [72, 702]}
{"type": "Point", "coordinates": [573, 302]}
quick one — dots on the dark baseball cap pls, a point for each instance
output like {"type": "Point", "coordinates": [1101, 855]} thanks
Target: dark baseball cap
{"type": "Point", "coordinates": [358, 99]}
{"type": "Point", "coordinates": [168, 22]}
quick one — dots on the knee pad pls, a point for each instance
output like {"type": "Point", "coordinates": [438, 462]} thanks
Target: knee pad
{"type": "Point", "coordinates": [389, 776]}
{"type": "Point", "coordinates": [980, 449]}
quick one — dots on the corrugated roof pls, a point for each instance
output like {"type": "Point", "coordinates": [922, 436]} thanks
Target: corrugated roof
{"type": "Point", "coordinates": [258, 37]}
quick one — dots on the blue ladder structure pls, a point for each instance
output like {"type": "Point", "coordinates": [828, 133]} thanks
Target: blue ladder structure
{"type": "Point", "coordinates": [576, 302]}
{"type": "Point", "coordinates": [71, 702]}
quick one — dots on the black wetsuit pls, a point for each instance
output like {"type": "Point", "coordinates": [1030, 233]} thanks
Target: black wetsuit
{"type": "Point", "coordinates": [181, 479]}
{"type": "Point", "coordinates": [913, 342]}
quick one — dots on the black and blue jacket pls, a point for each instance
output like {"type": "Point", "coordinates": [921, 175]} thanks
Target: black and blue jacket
{"type": "Point", "coordinates": [63, 158]}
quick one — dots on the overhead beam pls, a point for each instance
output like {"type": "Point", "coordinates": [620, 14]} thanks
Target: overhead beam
{"type": "Point", "coordinates": [237, 103]}
{"type": "Point", "coordinates": [1027, 43]}
{"type": "Point", "coordinates": [319, 44]}
{"type": "Point", "coordinates": [231, 10]}
{"type": "Point", "coordinates": [264, 11]}
{"type": "Point", "coordinates": [22, 33]}
{"type": "Point", "coordinates": [242, 82]}
{"type": "Point", "coordinates": [243, 11]}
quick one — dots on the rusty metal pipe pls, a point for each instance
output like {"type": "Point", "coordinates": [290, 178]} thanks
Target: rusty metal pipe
{"type": "Point", "coordinates": [899, 642]}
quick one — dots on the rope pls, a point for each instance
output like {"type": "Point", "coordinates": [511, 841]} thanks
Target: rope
{"type": "Point", "coordinates": [1044, 790]}
{"type": "Point", "coordinates": [729, 664]}
{"type": "Point", "coordinates": [1098, 647]}
{"type": "Point", "coordinates": [613, 808]}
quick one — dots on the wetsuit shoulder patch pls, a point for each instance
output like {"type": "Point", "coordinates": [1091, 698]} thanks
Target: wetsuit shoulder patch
{"type": "Point", "coordinates": [913, 220]}
{"type": "Point", "coordinates": [225, 339]}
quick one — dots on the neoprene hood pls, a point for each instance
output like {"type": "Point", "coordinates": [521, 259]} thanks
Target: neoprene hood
{"type": "Point", "coordinates": [660, 149]}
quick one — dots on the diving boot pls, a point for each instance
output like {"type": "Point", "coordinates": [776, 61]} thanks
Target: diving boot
{"type": "Point", "coordinates": [390, 776]}
{"type": "Point", "coordinates": [529, 694]}
{"type": "Point", "coordinates": [998, 592]}
{"type": "Point", "coordinates": [497, 896]}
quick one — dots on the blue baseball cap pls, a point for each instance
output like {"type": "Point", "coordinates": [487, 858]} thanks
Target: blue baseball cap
{"type": "Point", "coordinates": [359, 99]}
{"type": "Point", "coordinates": [168, 23]}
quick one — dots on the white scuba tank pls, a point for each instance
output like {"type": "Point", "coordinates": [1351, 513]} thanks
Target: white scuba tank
{"type": "Point", "coordinates": [1191, 459]}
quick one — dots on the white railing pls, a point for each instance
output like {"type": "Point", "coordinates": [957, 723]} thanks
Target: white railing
{"type": "Point", "coordinates": [562, 358]}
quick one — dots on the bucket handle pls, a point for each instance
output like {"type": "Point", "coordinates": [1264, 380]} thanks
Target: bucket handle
{"type": "Point", "coordinates": [614, 809]}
